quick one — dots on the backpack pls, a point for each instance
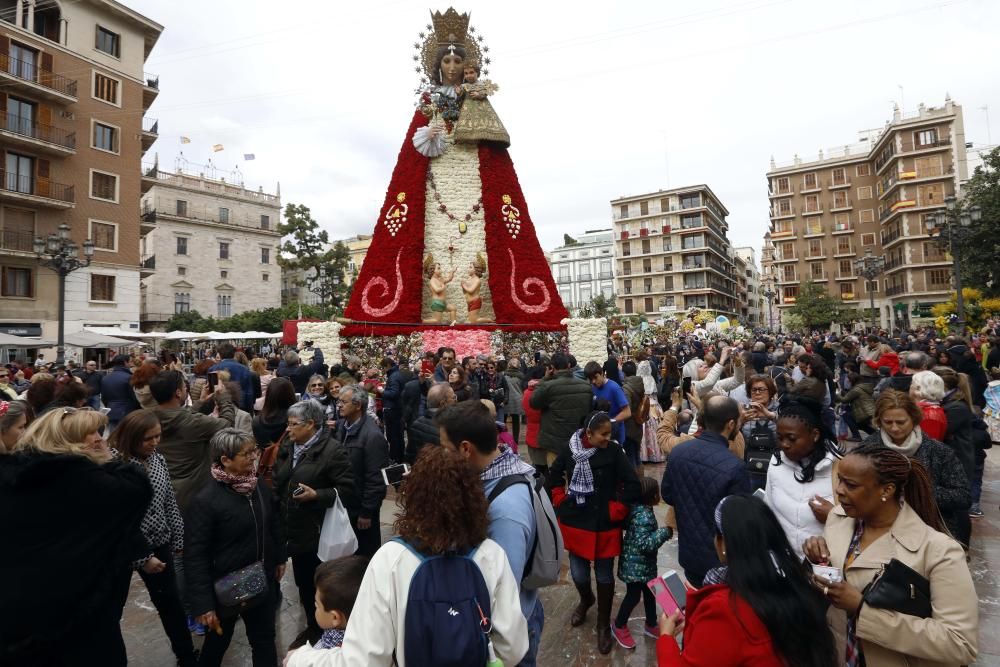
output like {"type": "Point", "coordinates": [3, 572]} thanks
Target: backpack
{"type": "Point", "coordinates": [447, 620]}
{"type": "Point", "coordinates": [641, 415]}
{"type": "Point", "coordinates": [542, 567]}
{"type": "Point", "coordinates": [759, 448]}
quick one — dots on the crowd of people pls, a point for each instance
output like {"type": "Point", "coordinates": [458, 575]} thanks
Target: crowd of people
{"type": "Point", "coordinates": [808, 479]}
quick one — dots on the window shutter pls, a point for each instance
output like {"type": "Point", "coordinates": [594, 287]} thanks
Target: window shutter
{"type": "Point", "coordinates": [4, 45]}
{"type": "Point", "coordinates": [45, 76]}
{"type": "Point", "coordinates": [3, 104]}
{"type": "Point", "coordinates": [42, 177]}
{"type": "Point", "coordinates": [45, 115]}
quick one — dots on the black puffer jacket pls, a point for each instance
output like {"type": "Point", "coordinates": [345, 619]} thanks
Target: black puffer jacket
{"type": "Point", "coordinates": [422, 432]}
{"type": "Point", "coordinates": [220, 537]}
{"type": "Point", "coordinates": [324, 467]}
{"type": "Point", "coordinates": [960, 433]}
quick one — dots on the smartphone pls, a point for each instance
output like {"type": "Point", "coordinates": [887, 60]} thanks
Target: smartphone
{"type": "Point", "coordinates": [427, 366]}
{"type": "Point", "coordinates": [759, 493]}
{"type": "Point", "coordinates": [831, 574]}
{"type": "Point", "coordinates": [213, 380]}
{"type": "Point", "coordinates": [393, 475]}
{"type": "Point", "coordinates": [299, 490]}
{"type": "Point", "coordinates": [669, 591]}
{"type": "Point", "coordinates": [685, 388]}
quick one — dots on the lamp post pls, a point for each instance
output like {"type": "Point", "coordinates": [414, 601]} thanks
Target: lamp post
{"type": "Point", "coordinates": [769, 295]}
{"type": "Point", "coordinates": [951, 227]}
{"type": "Point", "coordinates": [61, 254]}
{"type": "Point", "coordinates": [870, 267]}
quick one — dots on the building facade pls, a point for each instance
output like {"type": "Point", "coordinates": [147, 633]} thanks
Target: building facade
{"type": "Point", "coordinates": [208, 245]}
{"type": "Point", "coordinates": [294, 282]}
{"type": "Point", "coordinates": [585, 268]}
{"type": "Point", "coordinates": [672, 253]}
{"type": "Point", "coordinates": [875, 195]}
{"type": "Point", "coordinates": [755, 307]}
{"type": "Point", "coordinates": [73, 132]}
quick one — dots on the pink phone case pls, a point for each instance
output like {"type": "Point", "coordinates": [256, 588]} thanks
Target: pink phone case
{"type": "Point", "coordinates": [662, 595]}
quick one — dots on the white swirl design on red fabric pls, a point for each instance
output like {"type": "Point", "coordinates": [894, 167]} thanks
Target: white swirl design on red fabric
{"type": "Point", "coordinates": [530, 287]}
{"type": "Point", "coordinates": [383, 286]}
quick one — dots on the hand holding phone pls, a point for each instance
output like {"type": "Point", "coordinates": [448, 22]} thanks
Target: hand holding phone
{"type": "Point", "coordinates": [393, 475]}
{"type": "Point", "coordinates": [669, 591]}
{"type": "Point", "coordinates": [213, 380]}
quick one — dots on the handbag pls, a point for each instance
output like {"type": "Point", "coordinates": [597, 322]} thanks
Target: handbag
{"type": "Point", "coordinates": [898, 587]}
{"type": "Point", "coordinates": [336, 538]}
{"type": "Point", "coordinates": [247, 586]}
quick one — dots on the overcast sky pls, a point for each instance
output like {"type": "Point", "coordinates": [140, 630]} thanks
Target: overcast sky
{"type": "Point", "coordinates": [601, 99]}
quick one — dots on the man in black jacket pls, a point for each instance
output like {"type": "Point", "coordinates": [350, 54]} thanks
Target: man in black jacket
{"type": "Point", "coordinates": [92, 378]}
{"type": "Point", "coordinates": [291, 367]}
{"type": "Point", "coordinates": [424, 431]}
{"type": "Point", "coordinates": [369, 453]}
{"type": "Point", "coordinates": [397, 375]}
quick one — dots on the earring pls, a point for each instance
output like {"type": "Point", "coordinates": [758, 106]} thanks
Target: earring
{"type": "Point", "coordinates": [723, 553]}
{"type": "Point", "coordinates": [884, 499]}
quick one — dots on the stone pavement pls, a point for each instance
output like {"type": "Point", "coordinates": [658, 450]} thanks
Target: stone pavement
{"type": "Point", "coordinates": [561, 644]}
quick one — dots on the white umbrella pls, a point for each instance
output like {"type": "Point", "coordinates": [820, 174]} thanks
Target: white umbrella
{"type": "Point", "coordinates": [8, 340]}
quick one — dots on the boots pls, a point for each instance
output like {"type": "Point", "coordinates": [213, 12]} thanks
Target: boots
{"type": "Point", "coordinates": [605, 597]}
{"type": "Point", "coordinates": [586, 602]}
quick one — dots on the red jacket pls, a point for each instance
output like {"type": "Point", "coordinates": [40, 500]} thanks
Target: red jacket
{"type": "Point", "coordinates": [935, 422]}
{"type": "Point", "coordinates": [721, 629]}
{"type": "Point", "coordinates": [532, 417]}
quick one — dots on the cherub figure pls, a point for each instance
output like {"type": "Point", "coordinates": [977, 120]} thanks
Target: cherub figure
{"type": "Point", "coordinates": [471, 286]}
{"type": "Point", "coordinates": [437, 282]}
{"type": "Point", "coordinates": [477, 121]}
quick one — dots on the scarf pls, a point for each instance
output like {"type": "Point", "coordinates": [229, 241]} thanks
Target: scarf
{"type": "Point", "coordinates": [298, 450]}
{"type": "Point", "coordinates": [506, 464]}
{"type": "Point", "coordinates": [241, 484]}
{"type": "Point", "coordinates": [581, 484]}
{"type": "Point", "coordinates": [909, 446]}
{"type": "Point", "coordinates": [717, 575]}
{"type": "Point", "coordinates": [332, 638]}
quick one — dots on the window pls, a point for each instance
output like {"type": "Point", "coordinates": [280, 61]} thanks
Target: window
{"type": "Point", "coordinates": [812, 204]}
{"type": "Point", "coordinates": [647, 265]}
{"type": "Point", "coordinates": [225, 305]}
{"type": "Point", "coordinates": [693, 241]}
{"type": "Point", "coordinates": [623, 211]}
{"type": "Point", "coordinates": [106, 89]}
{"type": "Point", "coordinates": [867, 215]}
{"type": "Point", "coordinates": [666, 244]}
{"type": "Point", "coordinates": [782, 185]}
{"type": "Point", "coordinates": [265, 255]}
{"type": "Point", "coordinates": [23, 61]}
{"type": "Point", "coordinates": [844, 245]}
{"type": "Point", "coordinates": [647, 304]}
{"type": "Point", "coordinates": [786, 251]}
{"type": "Point", "coordinates": [690, 201]}
{"type": "Point", "coordinates": [223, 274]}
{"type": "Point", "coordinates": [863, 170]}
{"type": "Point", "coordinates": [840, 199]}
{"type": "Point", "coordinates": [105, 137]}
{"type": "Point", "coordinates": [16, 281]}
{"type": "Point", "coordinates": [605, 269]}
{"type": "Point", "coordinates": [102, 287]}
{"type": "Point", "coordinates": [103, 186]}
{"type": "Point", "coordinates": [645, 247]}
{"type": "Point", "coordinates": [644, 208]}
{"type": "Point", "coordinates": [104, 235]}
{"type": "Point", "coordinates": [182, 270]}
{"type": "Point", "coordinates": [816, 270]}
{"type": "Point", "coordinates": [668, 283]}
{"type": "Point", "coordinates": [585, 294]}
{"type": "Point", "coordinates": [867, 239]}
{"type": "Point", "coordinates": [930, 195]}
{"type": "Point", "coordinates": [223, 215]}
{"type": "Point", "coordinates": [647, 285]}
{"type": "Point", "coordinates": [790, 293]}
{"type": "Point", "coordinates": [784, 206]}
{"type": "Point", "coordinates": [264, 277]}
{"type": "Point", "coordinates": [108, 42]}
{"type": "Point", "coordinates": [865, 192]}
{"type": "Point", "coordinates": [847, 290]}
{"type": "Point", "coordinates": [20, 173]}
{"type": "Point", "coordinates": [265, 222]}
{"type": "Point", "coordinates": [815, 248]}
{"type": "Point", "coordinates": [665, 205]}
{"type": "Point", "coordinates": [939, 278]}
{"type": "Point", "coordinates": [842, 222]}
{"type": "Point", "coordinates": [21, 117]}
{"type": "Point", "coordinates": [814, 226]}
{"type": "Point", "coordinates": [782, 226]}
{"type": "Point", "coordinates": [564, 273]}
{"type": "Point", "coordinates": [182, 302]}
{"type": "Point", "coordinates": [627, 285]}
{"type": "Point", "coordinates": [809, 181]}
{"type": "Point", "coordinates": [607, 291]}
{"type": "Point", "coordinates": [626, 249]}
{"type": "Point", "coordinates": [627, 268]}
{"type": "Point", "coordinates": [223, 250]}
{"type": "Point", "coordinates": [628, 306]}
{"type": "Point", "coordinates": [925, 138]}
{"type": "Point", "coordinates": [845, 268]}
{"type": "Point", "coordinates": [839, 176]}
{"type": "Point", "coordinates": [182, 245]}
{"type": "Point", "coordinates": [182, 208]}
{"type": "Point", "coordinates": [788, 273]}
{"type": "Point", "coordinates": [667, 264]}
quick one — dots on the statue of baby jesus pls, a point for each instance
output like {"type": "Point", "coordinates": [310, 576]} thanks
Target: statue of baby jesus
{"type": "Point", "coordinates": [477, 121]}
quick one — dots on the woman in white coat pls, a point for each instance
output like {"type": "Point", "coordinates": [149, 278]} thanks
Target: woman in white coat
{"type": "Point", "coordinates": [802, 476]}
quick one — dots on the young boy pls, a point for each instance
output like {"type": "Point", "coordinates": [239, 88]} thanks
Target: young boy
{"type": "Point", "coordinates": [337, 584]}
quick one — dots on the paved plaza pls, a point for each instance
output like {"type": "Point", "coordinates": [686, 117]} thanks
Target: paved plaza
{"type": "Point", "coordinates": [562, 644]}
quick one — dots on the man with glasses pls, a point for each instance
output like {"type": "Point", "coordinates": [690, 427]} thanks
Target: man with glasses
{"type": "Point", "coordinates": [447, 363]}
{"type": "Point", "coordinates": [90, 376]}
{"type": "Point", "coordinates": [7, 391]}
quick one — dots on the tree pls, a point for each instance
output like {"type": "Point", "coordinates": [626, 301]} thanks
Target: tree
{"type": "Point", "coordinates": [599, 306]}
{"type": "Point", "coordinates": [978, 308]}
{"type": "Point", "coordinates": [569, 240]}
{"type": "Point", "coordinates": [815, 306]}
{"type": "Point", "coordinates": [792, 322]}
{"type": "Point", "coordinates": [307, 247]}
{"type": "Point", "coordinates": [267, 319]}
{"type": "Point", "coordinates": [980, 249]}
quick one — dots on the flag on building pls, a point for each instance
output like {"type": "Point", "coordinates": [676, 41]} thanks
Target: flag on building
{"type": "Point", "coordinates": [217, 147]}
{"type": "Point", "coordinates": [185, 140]}
{"type": "Point", "coordinates": [249, 156]}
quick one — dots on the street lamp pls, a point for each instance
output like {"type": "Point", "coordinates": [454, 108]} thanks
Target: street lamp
{"type": "Point", "coordinates": [870, 267]}
{"type": "Point", "coordinates": [951, 227]}
{"type": "Point", "coordinates": [769, 295]}
{"type": "Point", "coordinates": [61, 254]}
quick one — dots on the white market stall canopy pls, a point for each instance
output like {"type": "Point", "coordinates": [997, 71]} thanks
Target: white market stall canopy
{"type": "Point", "coordinates": [90, 339]}
{"type": "Point", "coordinates": [220, 335]}
{"type": "Point", "coordinates": [7, 340]}
{"type": "Point", "coordinates": [124, 333]}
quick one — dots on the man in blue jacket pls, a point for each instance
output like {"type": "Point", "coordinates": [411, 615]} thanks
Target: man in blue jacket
{"type": "Point", "coordinates": [237, 373]}
{"type": "Point", "coordinates": [701, 473]}
{"type": "Point", "coordinates": [117, 392]}
{"type": "Point", "coordinates": [468, 428]}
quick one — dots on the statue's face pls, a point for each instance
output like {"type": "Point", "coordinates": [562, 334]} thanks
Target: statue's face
{"type": "Point", "coordinates": [472, 269]}
{"type": "Point", "coordinates": [451, 69]}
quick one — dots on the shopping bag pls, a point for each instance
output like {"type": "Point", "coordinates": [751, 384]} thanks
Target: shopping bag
{"type": "Point", "coordinates": [337, 537]}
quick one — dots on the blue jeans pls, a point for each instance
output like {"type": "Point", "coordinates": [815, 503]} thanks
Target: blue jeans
{"type": "Point", "coordinates": [579, 569]}
{"type": "Point", "coordinates": [977, 480]}
{"type": "Point", "coordinates": [535, 624]}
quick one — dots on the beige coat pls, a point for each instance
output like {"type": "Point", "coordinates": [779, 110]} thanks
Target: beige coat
{"type": "Point", "coordinates": [893, 639]}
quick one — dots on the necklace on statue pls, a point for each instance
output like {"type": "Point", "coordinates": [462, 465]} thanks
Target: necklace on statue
{"type": "Point", "coordinates": [462, 223]}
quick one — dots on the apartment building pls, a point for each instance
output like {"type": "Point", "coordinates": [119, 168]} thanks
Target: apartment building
{"type": "Point", "coordinates": [672, 253]}
{"type": "Point", "coordinates": [585, 268]}
{"type": "Point", "coordinates": [294, 282]}
{"type": "Point", "coordinates": [755, 308]}
{"type": "Point", "coordinates": [357, 246]}
{"type": "Point", "coordinates": [208, 245]}
{"type": "Point", "coordinates": [73, 132]}
{"type": "Point", "coordinates": [874, 195]}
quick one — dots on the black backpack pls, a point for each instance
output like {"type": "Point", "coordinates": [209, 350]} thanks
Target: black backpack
{"type": "Point", "coordinates": [759, 448]}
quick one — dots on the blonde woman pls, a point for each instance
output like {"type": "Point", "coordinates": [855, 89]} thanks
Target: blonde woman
{"type": "Point", "coordinates": [259, 366]}
{"type": "Point", "coordinates": [71, 524]}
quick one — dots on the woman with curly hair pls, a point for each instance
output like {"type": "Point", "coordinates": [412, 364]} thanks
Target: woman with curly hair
{"type": "Point", "coordinates": [140, 383]}
{"type": "Point", "coordinates": [443, 510]}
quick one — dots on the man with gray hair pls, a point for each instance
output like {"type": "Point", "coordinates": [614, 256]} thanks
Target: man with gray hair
{"type": "Point", "coordinates": [423, 431]}
{"type": "Point", "coordinates": [910, 363]}
{"type": "Point", "coordinates": [291, 367]}
{"type": "Point", "coordinates": [369, 453]}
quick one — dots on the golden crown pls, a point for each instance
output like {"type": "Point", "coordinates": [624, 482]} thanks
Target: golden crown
{"type": "Point", "coordinates": [449, 28]}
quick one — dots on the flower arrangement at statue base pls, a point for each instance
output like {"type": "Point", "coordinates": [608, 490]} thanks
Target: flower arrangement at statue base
{"type": "Point", "coordinates": [325, 336]}
{"type": "Point", "coordinates": [588, 339]}
{"type": "Point", "coordinates": [465, 343]}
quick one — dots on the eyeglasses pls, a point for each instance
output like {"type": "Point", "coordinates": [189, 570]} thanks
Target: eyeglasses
{"type": "Point", "coordinates": [317, 384]}
{"type": "Point", "coordinates": [757, 390]}
{"type": "Point", "coordinates": [292, 424]}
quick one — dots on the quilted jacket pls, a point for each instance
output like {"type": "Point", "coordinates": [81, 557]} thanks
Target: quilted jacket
{"type": "Point", "coordinates": [643, 539]}
{"type": "Point", "coordinates": [564, 402]}
{"type": "Point", "coordinates": [699, 474]}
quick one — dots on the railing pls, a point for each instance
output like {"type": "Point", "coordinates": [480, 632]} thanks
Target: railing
{"type": "Point", "coordinates": [843, 203]}
{"type": "Point", "coordinates": [148, 215]}
{"type": "Point", "coordinates": [150, 125]}
{"type": "Point", "coordinates": [149, 262]}
{"type": "Point", "coordinates": [12, 240]}
{"type": "Point", "coordinates": [152, 80]}
{"type": "Point", "coordinates": [152, 170]}
{"type": "Point", "coordinates": [845, 276]}
{"type": "Point", "coordinates": [39, 187]}
{"type": "Point", "coordinates": [604, 274]}
{"type": "Point", "coordinates": [894, 290]}
{"type": "Point", "coordinates": [584, 276]}
{"type": "Point", "coordinates": [908, 147]}
{"type": "Point", "coordinates": [893, 262]}
{"type": "Point", "coordinates": [777, 213]}
{"type": "Point", "coordinates": [840, 183]}
{"type": "Point", "coordinates": [39, 131]}
{"type": "Point", "coordinates": [844, 250]}
{"type": "Point", "coordinates": [807, 187]}
{"type": "Point", "coordinates": [34, 73]}
{"type": "Point", "coordinates": [155, 317]}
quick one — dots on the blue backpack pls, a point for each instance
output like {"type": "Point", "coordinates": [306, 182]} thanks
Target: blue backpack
{"type": "Point", "coordinates": [447, 612]}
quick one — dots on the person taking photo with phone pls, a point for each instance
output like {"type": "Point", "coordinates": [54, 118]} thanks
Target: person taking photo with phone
{"type": "Point", "coordinates": [757, 608]}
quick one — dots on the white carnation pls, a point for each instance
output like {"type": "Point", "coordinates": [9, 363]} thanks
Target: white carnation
{"type": "Point", "coordinates": [588, 339]}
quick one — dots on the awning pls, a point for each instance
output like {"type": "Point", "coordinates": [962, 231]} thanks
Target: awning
{"type": "Point", "coordinates": [124, 333]}
{"type": "Point", "coordinates": [90, 339]}
{"type": "Point", "coordinates": [185, 335]}
{"type": "Point", "coordinates": [7, 340]}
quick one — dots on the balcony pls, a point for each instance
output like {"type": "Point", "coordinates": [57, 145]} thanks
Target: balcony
{"type": "Point", "coordinates": [150, 90]}
{"type": "Point", "coordinates": [15, 241]}
{"type": "Point", "coordinates": [835, 184]}
{"type": "Point", "coordinates": [150, 133]}
{"type": "Point", "coordinates": [815, 186]}
{"type": "Point", "coordinates": [780, 192]}
{"type": "Point", "coordinates": [30, 77]}
{"type": "Point", "coordinates": [604, 275]}
{"type": "Point", "coordinates": [840, 205]}
{"type": "Point", "coordinates": [892, 180]}
{"type": "Point", "coordinates": [913, 147]}
{"type": "Point", "coordinates": [585, 276]}
{"type": "Point", "coordinates": [777, 214]}
{"type": "Point", "coordinates": [812, 210]}
{"type": "Point", "coordinates": [841, 228]}
{"type": "Point", "coordinates": [37, 136]}
{"type": "Point", "coordinates": [893, 263]}
{"type": "Point", "coordinates": [33, 191]}
{"type": "Point", "coordinates": [848, 296]}
{"type": "Point", "coordinates": [844, 251]}
{"type": "Point", "coordinates": [895, 290]}
{"type": "Point", "coordinates": [845, 276]}
{"type": "Point", "coordinates": [147, 266]}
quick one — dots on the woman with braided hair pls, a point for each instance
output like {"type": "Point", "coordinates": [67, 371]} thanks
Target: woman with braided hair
{"type": "Point", "coordinates": [802, 476]}
{"type": "Point", "coordinates": [886, 510]}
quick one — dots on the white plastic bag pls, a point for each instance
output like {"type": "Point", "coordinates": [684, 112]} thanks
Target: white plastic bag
{"type": "Point", "coordinates": [337, 538]}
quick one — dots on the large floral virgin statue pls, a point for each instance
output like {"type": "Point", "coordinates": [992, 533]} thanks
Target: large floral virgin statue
{"type": "Point", "coordinates": [454, 202]}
